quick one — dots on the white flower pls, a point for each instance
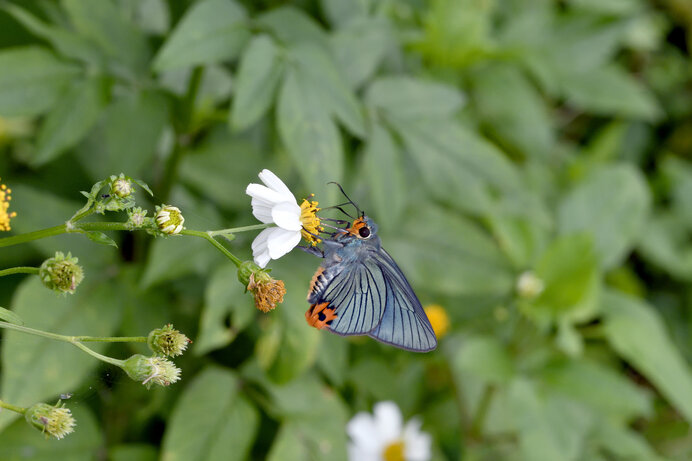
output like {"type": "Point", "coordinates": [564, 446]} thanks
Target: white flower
{"type": "Point", "coordinates": [383, 436]}
{"type": "Point", "coordinates": [273, 203]}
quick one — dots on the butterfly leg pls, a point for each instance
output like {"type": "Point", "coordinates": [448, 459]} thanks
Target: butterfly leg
{"type": "Point", "coordinates": [312, 250]}
{"type": "Point", "coordinates": [320, 315]}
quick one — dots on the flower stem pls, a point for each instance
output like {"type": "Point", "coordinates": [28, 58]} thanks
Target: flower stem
{"type": "Point", "coordinates": [236, 230]}
{"type": "Point", "coordinates": [14, 408]}
{"type": "Point", "coordinates": [212, 240]}
{"type": "Point", "coordinates": [482, 411]}
{"type": "Point", "coordinates": [35, 235]}
{"type": "Point", "coordinates": [19, 270]}
{"type": "Point", "coordinates": [105, 358]}
{"type": "Point", "coordinates": [111, 339]}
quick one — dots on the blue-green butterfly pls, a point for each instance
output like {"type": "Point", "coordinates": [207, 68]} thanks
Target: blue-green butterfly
{"type": "Point", "coordinates": [359, 290]}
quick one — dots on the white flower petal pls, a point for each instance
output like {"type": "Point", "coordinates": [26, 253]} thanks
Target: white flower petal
{"type": "Point", "coordinates": [287, 216]}
{"type": "Point", "coordinates": [273, 182]}
{"type": "Point", "coordinates": [281, 241]}
{"type": "Point", "coordinates": [417, 443]}
{"type": "Point", "coordinates": [388, 421]}
{"type": "Point", "coordinates": [357, 453]}
{"type": "Point", "coordinates": [268, 196]}
{"type": "Point", "coordinates": [363, 433]}
{"type": "Point", "coordinates": [262, 211]}
{"type": "Point", "coordinates": [260, 250]}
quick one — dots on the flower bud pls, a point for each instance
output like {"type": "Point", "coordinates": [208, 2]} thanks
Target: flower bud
{"type": "Point", "coordinates": [167, 341]}
{"type": "Point", "coordinates": [61, 273]}
{"type": "Point", "coordinates": [121, 186]}
{"type": "Point", "coordinates": [137, 217]}
{"type": "Point", "coordinates": [529, 286]}
{"type": "Point", "coordinates": [53, 420]}
{"type": "Point", "coordinates": [438, 319]}
{"type": "Point", "coordinates": [151, 370]}
{"type": "Point", "coordinates": [169, 219]}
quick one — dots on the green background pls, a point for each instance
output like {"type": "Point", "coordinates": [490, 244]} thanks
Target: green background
{"type": "Point", "coordinates": [485, 137]}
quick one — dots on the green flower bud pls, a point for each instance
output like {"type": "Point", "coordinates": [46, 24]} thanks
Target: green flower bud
{"type": "Point", "coordinates": [61, 273]}
{"type": "Point", "coordinates": [151, 370]}
{"type": "Point", "coordinates": [121, 186]}
{"type": "Point", "coordinates": [167, 341]}
{"type": "Point", "coordinates": [169, 219]}
{"type": "Point", "coordinates": [248, 268]}
{"type": "Point", "coordinates": [137, 217]}
{"type": "Point", "coordinates": [53, 420]}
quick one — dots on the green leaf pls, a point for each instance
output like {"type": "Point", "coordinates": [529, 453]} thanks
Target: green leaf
{"type": "Point", "coordinates": [318, 71]}
{"type": "Point", "coordinates": [550, 428]}
{"type": "Point", "coordinates": [132, 452]}
{"type": "Point", "coordinates": [484, 357]}
{"type": "Point", "coordinates": [340, 12]}
{"type": "Point", "coordinates": [411, 98]}
{"type": "Point", "coordinates": [388, 190]}
{"type": "Point", "coordinates": [311, 137]}
{"type": "Point", "coordinates": [614, 220]}
{"type": "Point", "coordinates": [36, 368]}
{"type": "Point", "coordinates": [625, 443]}
{"type": "Point", "coordinates": [211, 31]}
{"type": "Point", "coordinates": [224, 295]}
{"type": "Point", "coordinates": [600, 387]}
{"type": "Point", "coordinates": [66, 42]}
{"type": "Point", "coordinates": [611, 91]}
{"type": "Point", "coordinates": [31, 80]}
{"type": "Point", "coordinates": [9, 316]}
{"type": "Point", "coordinates": [100, 237]}
{"type": "Point", "coordinates": [291, 25]}
{"type": "Point", "coordinates": [458, 167]}
{"type": "Point", "coordinates": [71, 119]}
{"type": "Point", "coordinates": [126, 138]}
{"type": "Point", "coordinates": [569, 272]}
{"type": "Point", "coordinates": [84, 444]}
{"type": "Point", "coordinates": [105, 24]}
{"type": "Point", "coordinates": [460, 259]}
{"type": "Point", "coordinates": [360, 47]}
{"type": "Point", "coordinates": [210, 421]}
{"type": "Point", "coordinates": [513, 111]}
{"type": "Point", "coordinates": [259, 73]}
{"type": "Point", "coordinates": [636, 331]}
{"type": "Point", "coordinates": [664, 241]}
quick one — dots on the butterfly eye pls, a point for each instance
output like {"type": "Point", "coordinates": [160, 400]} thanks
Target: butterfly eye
{"type": "Point", "coordinates": [364, 232]}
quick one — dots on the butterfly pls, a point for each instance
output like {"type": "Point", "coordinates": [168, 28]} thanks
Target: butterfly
{"type": "Point", "coordinates": [359, 290]}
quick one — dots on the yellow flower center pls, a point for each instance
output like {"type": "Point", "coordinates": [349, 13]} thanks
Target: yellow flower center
{"type": "Point", "coordinates": [310, 222]}
{"type": "Point", "coordinates": [5, 216]}
{"type": "Point", "coordinates": [394, 451]}
{"type": "Point", "coordinates": [438, 319]}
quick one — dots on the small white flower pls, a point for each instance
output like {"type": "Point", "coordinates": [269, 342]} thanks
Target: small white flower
{"type": "Point", "coordinates": [169, 219]}
{"type": "Point", "coordinates": [382, 436]}
{"type": "Point", "coordinates": [529, 286]}
{"type": "Point", "coordinates": [273, 203]}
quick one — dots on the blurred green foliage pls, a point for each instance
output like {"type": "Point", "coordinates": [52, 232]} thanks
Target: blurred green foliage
{"type": "Point", "coordinates": [486, 138]}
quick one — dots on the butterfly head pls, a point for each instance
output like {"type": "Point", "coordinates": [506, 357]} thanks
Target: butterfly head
{"type": "Point", "coordinates": [362, 228]}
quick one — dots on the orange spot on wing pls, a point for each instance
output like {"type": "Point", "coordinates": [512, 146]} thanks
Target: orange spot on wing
{"type": "Point", "coordinates": [357, 224]}
{"type": "Point", "coordinates": [320, 315]}
{"type": "Point", "coordinates": [318, 272]}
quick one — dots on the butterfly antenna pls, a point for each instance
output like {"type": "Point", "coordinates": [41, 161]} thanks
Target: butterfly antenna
{"type": "Point", "coordinates": [347, 197]}
{"type": "Point", "coordinates": [338, 207]}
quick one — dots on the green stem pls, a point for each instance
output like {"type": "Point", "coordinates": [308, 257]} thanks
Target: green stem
{"type": "Point", "coordinates": [482, 412]}
{"type": "Point", "coordinates": [32, 331]}
{"type": "Point", "coordinates": [105, 358]}
{"type": "Point", "coordinates": [14, 408]}
{"type": "Point", "coordinates": [236, 230]}
{"type": "Point", "coordinates": [111, 339]}
{"type": "Point", "coordinates": [35, 235]}
{"type": "Point", "coordinates": [19, 270]}
{"type": "Point", "coordinates": [210, 239]}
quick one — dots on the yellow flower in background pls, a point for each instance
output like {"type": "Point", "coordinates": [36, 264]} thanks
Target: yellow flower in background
{"type": "Point", "coordinates": [5, 215]}
{"type": "Point", "coordinates": [438, 319]}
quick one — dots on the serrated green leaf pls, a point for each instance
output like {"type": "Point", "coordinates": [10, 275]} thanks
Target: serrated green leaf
{"type": "Point", "coordinates": [31, 80]}
{"type": "Point", "coordinates": [11, 317]}
{"type": "Point", "coordinates": [36, 368]}
{"type": "Point", "coordinates": [614, 220]}
{"type": "Point", "coordinates": [259, 74]}
{"type": "Point", "coordinates": [105, 24]}
{"type": "Point", "coordinates": [311, 137]}
{"type": "Point", "coordinates": [210, 421]}
{"type": "Point", "coordinates": [71, 119]}
{"type": "Point", "coordinates": [291, 25]}
{"type": "Point", "coordinates": [409, 98]}
{"type": "Point", "coordinates": [637, 333]}
{"type": "Point", "coordinates": [211, 31]}
{"type": "Point", "coordinates": [483, 356]}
